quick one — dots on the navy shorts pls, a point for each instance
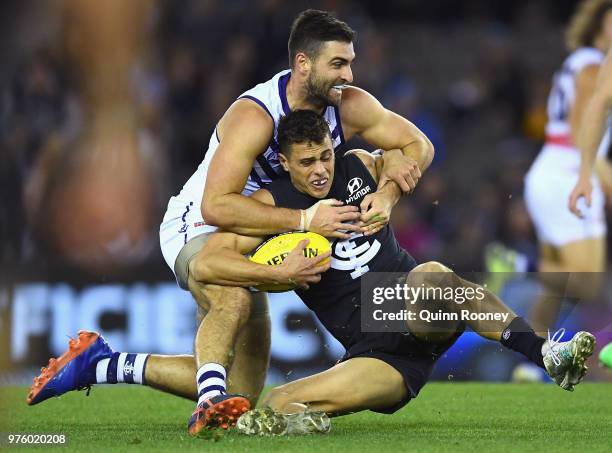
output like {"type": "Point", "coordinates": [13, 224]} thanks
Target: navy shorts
{"type": "Point", "coordinates": [414, 359]}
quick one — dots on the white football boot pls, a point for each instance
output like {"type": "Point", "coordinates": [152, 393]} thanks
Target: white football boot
{"type": "Point", "coordinates": [267, 422]}
{"type": "Point", "coordinates": [565, 361]}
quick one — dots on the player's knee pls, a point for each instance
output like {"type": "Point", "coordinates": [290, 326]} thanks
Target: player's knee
{"type": "Point", "coordinates": [430, 274]}
{"type": "Point", "coordinates": [199, 269]}
{"type": "Point", "coordinates": [431, 267]}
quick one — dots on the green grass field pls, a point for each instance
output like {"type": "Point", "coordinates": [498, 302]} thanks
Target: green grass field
{"type": "Point", "coordinates": [446, 416]}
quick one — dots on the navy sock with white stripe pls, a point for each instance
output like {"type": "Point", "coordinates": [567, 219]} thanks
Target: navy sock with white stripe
{"type": "Point", "coordinates": [520, 337]}
{"type": "Point", "coordinates": [211, 381]}
{"type": "Point", "coordinates": [122, 367]}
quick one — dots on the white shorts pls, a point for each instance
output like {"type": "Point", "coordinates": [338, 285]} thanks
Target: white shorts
{"type": "Point", "coordinates": [548, 185]}
{"type": "Point", "coordinates": [182, 222]}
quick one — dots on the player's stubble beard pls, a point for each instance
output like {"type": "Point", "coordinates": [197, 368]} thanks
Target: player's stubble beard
{"type": "Point", "coordinates": [317, 90]}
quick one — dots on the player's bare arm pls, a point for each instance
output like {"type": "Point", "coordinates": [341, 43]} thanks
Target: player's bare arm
{"type": "Point", "coordinates": [244, 131]}
{"type": "Point", "coordinates": [585, 87]}
{"type": "Point", "coordinates": [590, 134]}
{"type": "Point", "coordinates": [227, 265]}
{"type": "Point", "coordinates": [586, 81]}
{"type": "Point", "coordinates": [224, 262]}
{"type": "Point", "coordinates": [408, 152]}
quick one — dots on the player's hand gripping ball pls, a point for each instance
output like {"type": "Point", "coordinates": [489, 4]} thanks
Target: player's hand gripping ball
{"type": "Point", "coordinates": [274, 251]}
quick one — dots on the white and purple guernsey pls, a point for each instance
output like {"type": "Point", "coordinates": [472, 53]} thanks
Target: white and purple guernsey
{"type": "Point", "coordinates": [561, 101]}
{"type": "Point", "coordinates": [184, 218]}
{"type": "Point", "coordinates": [554, 173]}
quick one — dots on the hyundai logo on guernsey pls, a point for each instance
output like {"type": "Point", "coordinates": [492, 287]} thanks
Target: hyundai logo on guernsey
{"type": "Point", "coordinates": [355, 190]}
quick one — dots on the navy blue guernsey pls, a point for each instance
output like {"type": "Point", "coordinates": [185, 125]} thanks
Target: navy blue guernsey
{"type": "Point", "coordinates": [336, 299]}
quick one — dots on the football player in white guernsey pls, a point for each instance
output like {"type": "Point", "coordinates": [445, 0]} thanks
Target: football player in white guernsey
{"type": "Point", "coordinates": [594, 123]}
{"type": "Point", "coordinates": [243, 157]}
{"type": "Point", "coordinates": [568, 243]}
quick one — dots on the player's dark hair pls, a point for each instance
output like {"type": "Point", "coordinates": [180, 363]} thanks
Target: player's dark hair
{"type": "Point", "coordinates": [586, 23]}
{"type": "Point", "coordinates": [301, 126]}
{"type": "Point", "coordinates": [312, 28]}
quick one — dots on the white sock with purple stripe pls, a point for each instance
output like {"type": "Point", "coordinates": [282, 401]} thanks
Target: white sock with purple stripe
{"type": "Point", "coordinates": [122, 367]}
{"type": "Point", "coordinates": [211, 381]}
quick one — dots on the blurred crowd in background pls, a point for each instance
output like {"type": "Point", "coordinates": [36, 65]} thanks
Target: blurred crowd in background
{"type": "Point", "coordinates": [473, 75]}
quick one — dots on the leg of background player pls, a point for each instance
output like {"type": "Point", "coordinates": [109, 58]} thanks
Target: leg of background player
{"type": "Point", "coordinates": [545, 310]}
{"type": "Point", "coordinates": [586, 259]}
{"type": "Point", "coordinates": [357, 384]}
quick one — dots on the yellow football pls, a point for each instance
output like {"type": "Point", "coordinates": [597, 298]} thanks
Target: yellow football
{"type": "Point", "coordinates": [274, 251]}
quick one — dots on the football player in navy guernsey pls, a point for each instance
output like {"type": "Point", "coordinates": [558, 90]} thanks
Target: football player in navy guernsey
{"type": "Point", "coordinates": [232, 344]}
{"type": "Point", "coordinates": [380, 371]}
